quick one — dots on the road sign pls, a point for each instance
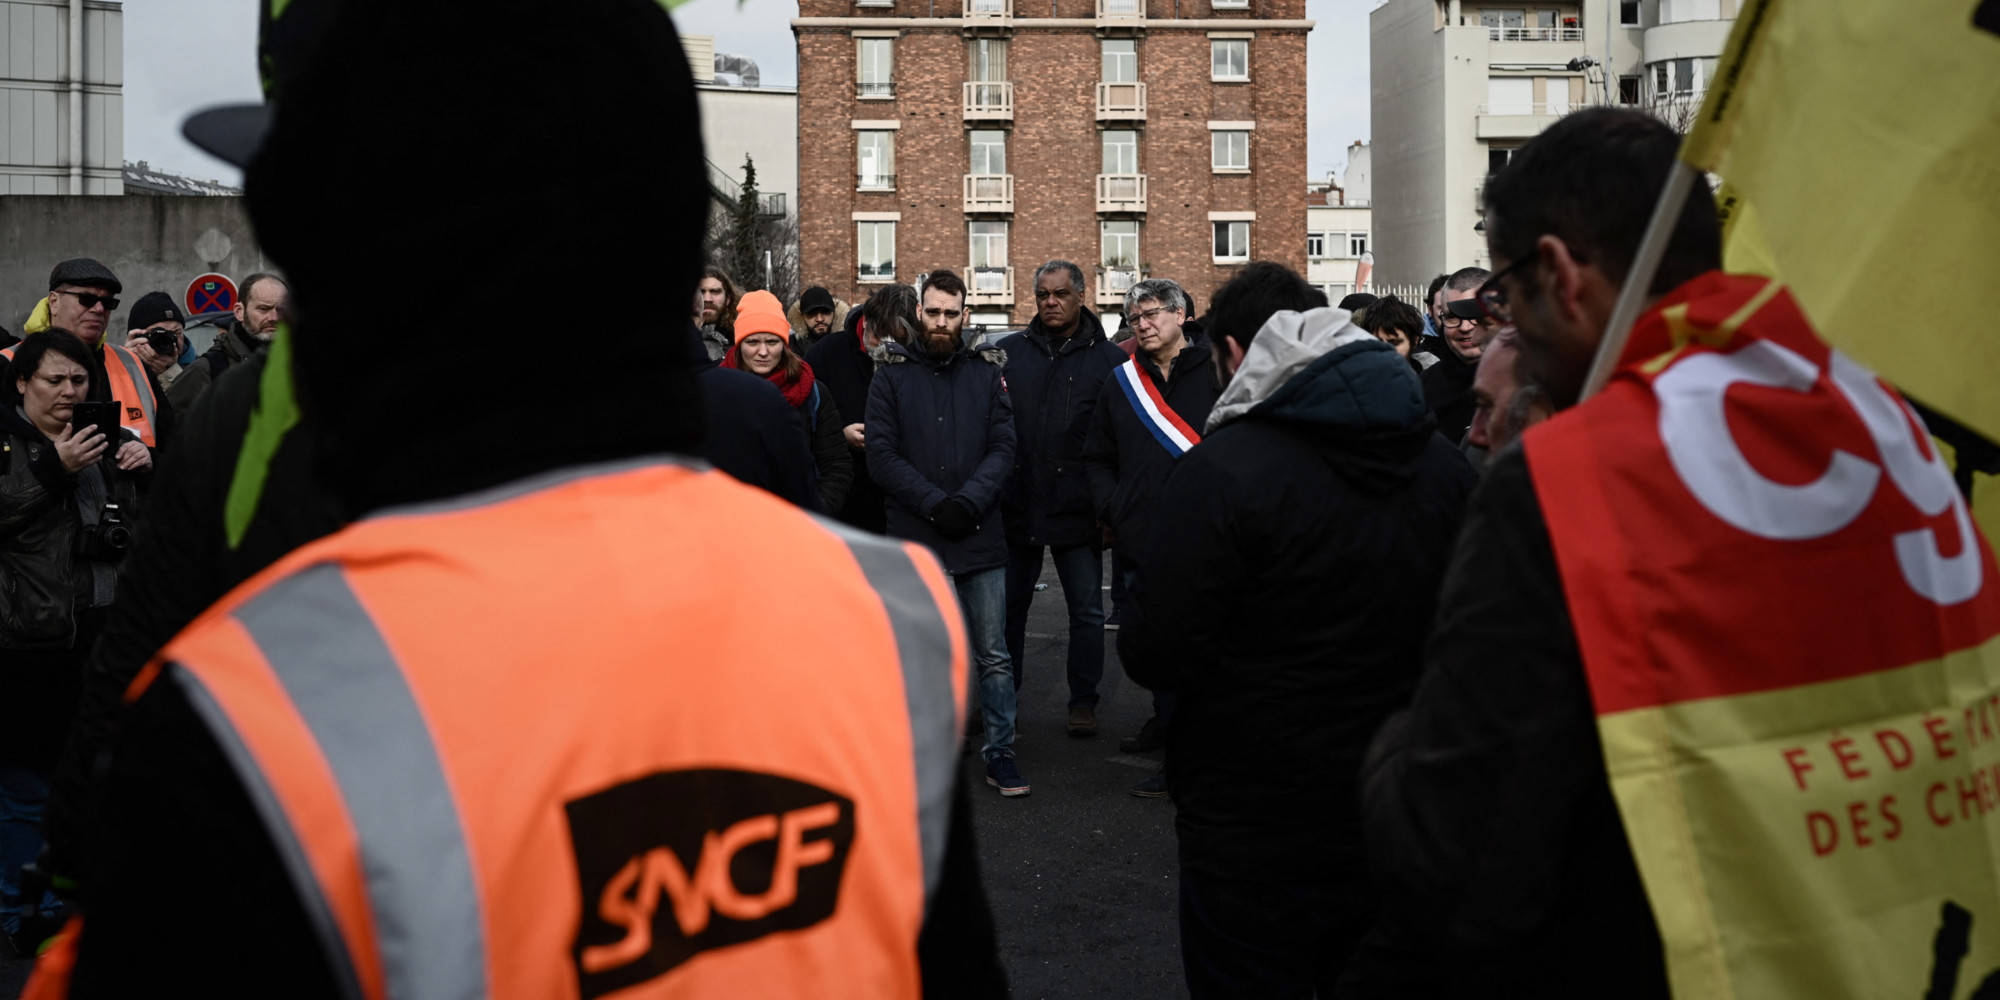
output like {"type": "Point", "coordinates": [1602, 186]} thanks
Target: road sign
{"type": "Point", "coordinates": [210, 293]}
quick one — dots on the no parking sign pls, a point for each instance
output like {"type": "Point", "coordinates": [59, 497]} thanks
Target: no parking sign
{"type": "Point", "coordinates": [210, 293]}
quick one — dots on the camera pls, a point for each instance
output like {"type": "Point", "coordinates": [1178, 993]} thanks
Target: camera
{"type": "Point", "coordinates": [163, 341]}
{"type": "Point", "coordinates": [110, 539]}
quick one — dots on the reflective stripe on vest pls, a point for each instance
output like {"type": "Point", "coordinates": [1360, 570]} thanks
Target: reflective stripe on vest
{"type": "Point", "coordinates": [455, 722]}
{"type": "Point", "coordinates": [128, 385]}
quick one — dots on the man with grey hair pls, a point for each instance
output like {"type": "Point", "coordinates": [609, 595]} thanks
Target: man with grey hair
{"type": "Point", "coordinates": [1055, 370]}
{"type": "Point", "coordinates": [1448, 384]}
{"type": "Point", "coordinates": [1149, 413]}
{"type": "Point", "coordinates": [1507, 398]}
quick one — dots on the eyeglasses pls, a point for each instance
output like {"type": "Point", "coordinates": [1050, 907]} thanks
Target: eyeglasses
{"type": "Point", "coordinates": [90, 300]}
{"type": "Point", "coordinates": [1492, 298]}
{"type": "Point", "coordinates": [1134, 319]}
{"type": "Point", "coordinates": [934, 312]}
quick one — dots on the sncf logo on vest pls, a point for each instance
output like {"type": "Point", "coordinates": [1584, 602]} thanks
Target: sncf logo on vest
{"type": "Point", "coordinates": [681, 862]}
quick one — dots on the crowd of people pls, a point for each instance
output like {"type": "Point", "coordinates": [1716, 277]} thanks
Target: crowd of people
{"type": "Point", "coordinates": [527, 697]}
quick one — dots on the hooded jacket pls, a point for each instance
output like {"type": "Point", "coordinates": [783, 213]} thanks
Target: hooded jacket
{"type": "Point", "coordinates": [803, 339]}
{"type": "Point", "coordinates": [1055, 384]}
{"type": "Point", "coordinates": [1290, 603]}
{"type": "Point", "coordinates": [1125, 462]}
{"type": "Point", "coordinates": [943, 430]}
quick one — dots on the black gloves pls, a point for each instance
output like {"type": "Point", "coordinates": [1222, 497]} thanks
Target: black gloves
{"type": "Point", "coordinates": [953, 519]}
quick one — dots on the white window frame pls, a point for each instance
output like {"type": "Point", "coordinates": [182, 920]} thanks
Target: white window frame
{"type": "Point", "coordinates": [875, 66]}
{"type": "Point", "coordinates": [868, 235]}
{"type": "Point", "coordinates": [980, 244]}
{"type": "Point", "coordinates": [1229, 4]}
{"type": "Point", "coordinates": [1105, 144]}
{"type": "Point", "coordinates": [1229, 59]}
{"type": "Point", "coordinates": [1316, 246]}
{"type": "Point", "coordinates": [1229, 150]}
{"type": "Point", "coordinates": [1232, 236]}
{"type": "Point", "coordinates": [883, 142]}
{"type": "Point", "coordinates": [990, 69]}
{"type": "Point", "coordinates": [1357, 243]}
{"type": "Point", "coordinates": [1118, 67]}
{"type": "Point", "coordinates": [1126, 233]}
{"type": "Point", "coordinates": [974, 145]}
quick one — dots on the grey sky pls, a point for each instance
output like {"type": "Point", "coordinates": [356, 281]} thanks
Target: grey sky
{"type": "Point", "coordinates": [184, 55]}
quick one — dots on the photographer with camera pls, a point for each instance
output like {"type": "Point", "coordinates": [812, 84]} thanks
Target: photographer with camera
{"type": "Point", "coordinates": [68, 498]}
{"type": "Point", "coordinates": [156, 335]}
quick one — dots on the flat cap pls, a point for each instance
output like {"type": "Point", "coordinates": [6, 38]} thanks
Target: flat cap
{"type": "Point", "coordinates": [84, 271]}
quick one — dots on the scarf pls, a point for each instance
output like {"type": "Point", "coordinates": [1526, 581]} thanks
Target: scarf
{"type": "Point", "coordinates": [796, 390]}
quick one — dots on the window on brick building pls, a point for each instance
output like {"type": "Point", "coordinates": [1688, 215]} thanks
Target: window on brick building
{"type": "Point", "coordinates": [1315, 245]}
{"type": "Point", "coordinates": [989, 151]}
{"type": "Point", "coordinates": [1230, 150]}
{"type": "Point", "coordinates": [1232, 242]}
{"type": "Point", "coordinates": [988, 242]}
{"type": "Point", "coordinates": [986, 60]}
{"type": "Point", "coordinates": [1121, 151]}
{"type": "Point", "coordinates": [875, 250]}
{"type": "Point", "coordinates": [1121, 60]}
{"type": "Point", "coordinates": [1118, 255]}
{"type": "Point", "coordinates": [875, 59]}
{"type": "Point", "coordinates": [875, 169]}
{"type": "Point", "coordinates": [1229, 58]}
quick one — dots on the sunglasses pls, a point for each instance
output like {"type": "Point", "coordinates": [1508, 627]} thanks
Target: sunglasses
{"type": "Point", "coordinates": [1492, 298]}
{"type": "Point", "coordinates": [90, 300]}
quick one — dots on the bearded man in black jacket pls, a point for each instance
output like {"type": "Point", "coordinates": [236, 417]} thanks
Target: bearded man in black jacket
{"type": "Point", "coordinates": [1310, 530]}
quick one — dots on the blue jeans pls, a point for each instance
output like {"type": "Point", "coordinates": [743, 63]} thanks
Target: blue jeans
{"type": "Point", "coordinates": [1081, 570]}
{"type": "Point", "coordinates": [23, 792]}
{"type": "Point", "coordinates": [984, 598]}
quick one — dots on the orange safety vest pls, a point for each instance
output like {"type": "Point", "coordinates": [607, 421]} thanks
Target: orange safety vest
{"type": "Point", "coordinates": [1791, 631]}
{"type": "Point", "coordinates": [128, 385]}
{"type": "Point", "coordinates": [567, 738]}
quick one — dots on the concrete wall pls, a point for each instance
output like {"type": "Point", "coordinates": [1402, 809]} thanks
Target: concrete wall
{"type": "Point", "coordinates": [150, 243]}
{"type": "Point", "coordinates": [35, 102]}
{"type": "Point", "coordinates": [760, 121]}
{"type": "Point", "coordinates": [1406, 76]}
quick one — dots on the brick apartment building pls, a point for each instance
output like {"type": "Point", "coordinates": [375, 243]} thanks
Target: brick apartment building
{"type": "Point", "coordinates": [1138, 138]}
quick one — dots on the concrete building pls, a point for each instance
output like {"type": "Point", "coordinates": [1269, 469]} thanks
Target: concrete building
{"type": "Point", "coordinates": [1458, 85]}
{"type": "Point", "coordinates": [739, 117]}
{"type": "Point", "coordinates": [1338, 228]}
{"type": "Point", "coordinates": [1135, 137]}
{"type": "Point", "coordinates": [62, 116]}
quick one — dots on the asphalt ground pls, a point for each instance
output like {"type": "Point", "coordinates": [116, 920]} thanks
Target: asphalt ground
{"type": "Point", "coordinates": [1080, 874]}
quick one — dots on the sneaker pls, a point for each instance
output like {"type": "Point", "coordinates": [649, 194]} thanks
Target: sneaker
{"type": "Point", "coordinates": [1147, 739]}
{"type": "Point", "coordinates": [1111, 620]}
{"type": "Point", "coordinates": [1082, 721]}
{"type": "Point", "coordinates": [1002, 774]}
{"type": "Point", "coordinates": [1153, 787]}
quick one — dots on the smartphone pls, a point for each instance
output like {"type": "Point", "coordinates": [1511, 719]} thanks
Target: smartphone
{"type": "Point", "coordinates": [103, 415]}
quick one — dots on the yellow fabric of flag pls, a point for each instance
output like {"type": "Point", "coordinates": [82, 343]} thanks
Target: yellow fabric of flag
{"type": "Point", "coordinates": [1867, 135]}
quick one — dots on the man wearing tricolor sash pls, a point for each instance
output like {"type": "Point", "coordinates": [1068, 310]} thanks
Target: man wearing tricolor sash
{"type": "Point", "coordinates": [1148, 415]}
{"type": "Point", "coordinates": [1710, 709]}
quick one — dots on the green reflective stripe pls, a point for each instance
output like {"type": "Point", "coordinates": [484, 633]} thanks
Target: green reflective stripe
{"type": "Point", "coordinates": [319, 913]}
{"type": "Point", "coordinates": [923, 646]}
{"type": "Point", "coordinates": [137, 373]}
{"type": "Point", "coordinates": [278, 8]}
{"type": "Point", "coordinates": [338, 671]}
{"type": "Point", "coordinates": [277, 412]}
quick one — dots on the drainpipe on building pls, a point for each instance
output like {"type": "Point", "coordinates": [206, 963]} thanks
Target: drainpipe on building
{"type": "Point", "coordinates": [75, 96]}
{"type": "Point", "coordinates": [1453, 18]}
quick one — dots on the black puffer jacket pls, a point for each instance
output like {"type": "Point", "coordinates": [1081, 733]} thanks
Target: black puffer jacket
{"type": "Point", "coordinates": [1289, 603]}
{"type": "Point", "coordinates": [841, 364]}
{"type": "Point", "coordinates": [44, 579]}
{"type": "Point", "coordinates": [1126, 463]}
{"type": "Point", "coordinates": [937, 431]}
{"type": "Point", "coordinates": [1054, 384]}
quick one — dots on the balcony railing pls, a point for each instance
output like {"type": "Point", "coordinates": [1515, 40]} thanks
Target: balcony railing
{"type": "Point", "coordinates": [1114, 281]}
{"type": "Point", "coordinates": [1121, 192]}
{"type": "Point", "coordinates": [989, 13]}
{"type": "Point", "coordinates": [875, 182]}
{"type": "Point", "coordinates": [1527, 108]}
{"type": "Point", "coordinates": [989, 286]}
{"type": "Point", "coordinates": [1498, 34]}
{"type": "Point", "coordinates": [989, 102]}
{"type": "Point", "coordinates": [989, 192]}
{"type": "Point", "coordinates": [1121, 13]}
{"type": "Point", "coordinates": [1121, 102]}
{"type": "Point", "coordinates": [875, 89]}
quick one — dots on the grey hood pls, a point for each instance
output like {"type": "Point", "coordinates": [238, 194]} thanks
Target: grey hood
{"type": "Point", "coordinates": [1285, 346]}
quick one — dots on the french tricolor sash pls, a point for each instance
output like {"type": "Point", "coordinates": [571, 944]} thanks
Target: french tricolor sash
{"type": "Point", "coordinates": [1167, 427]}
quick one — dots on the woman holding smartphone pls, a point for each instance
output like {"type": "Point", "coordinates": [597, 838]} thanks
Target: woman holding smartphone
{"type": "Point", "coordinates": [68, 507]}
{"type": "Point", "coordinates": [764, 348]}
